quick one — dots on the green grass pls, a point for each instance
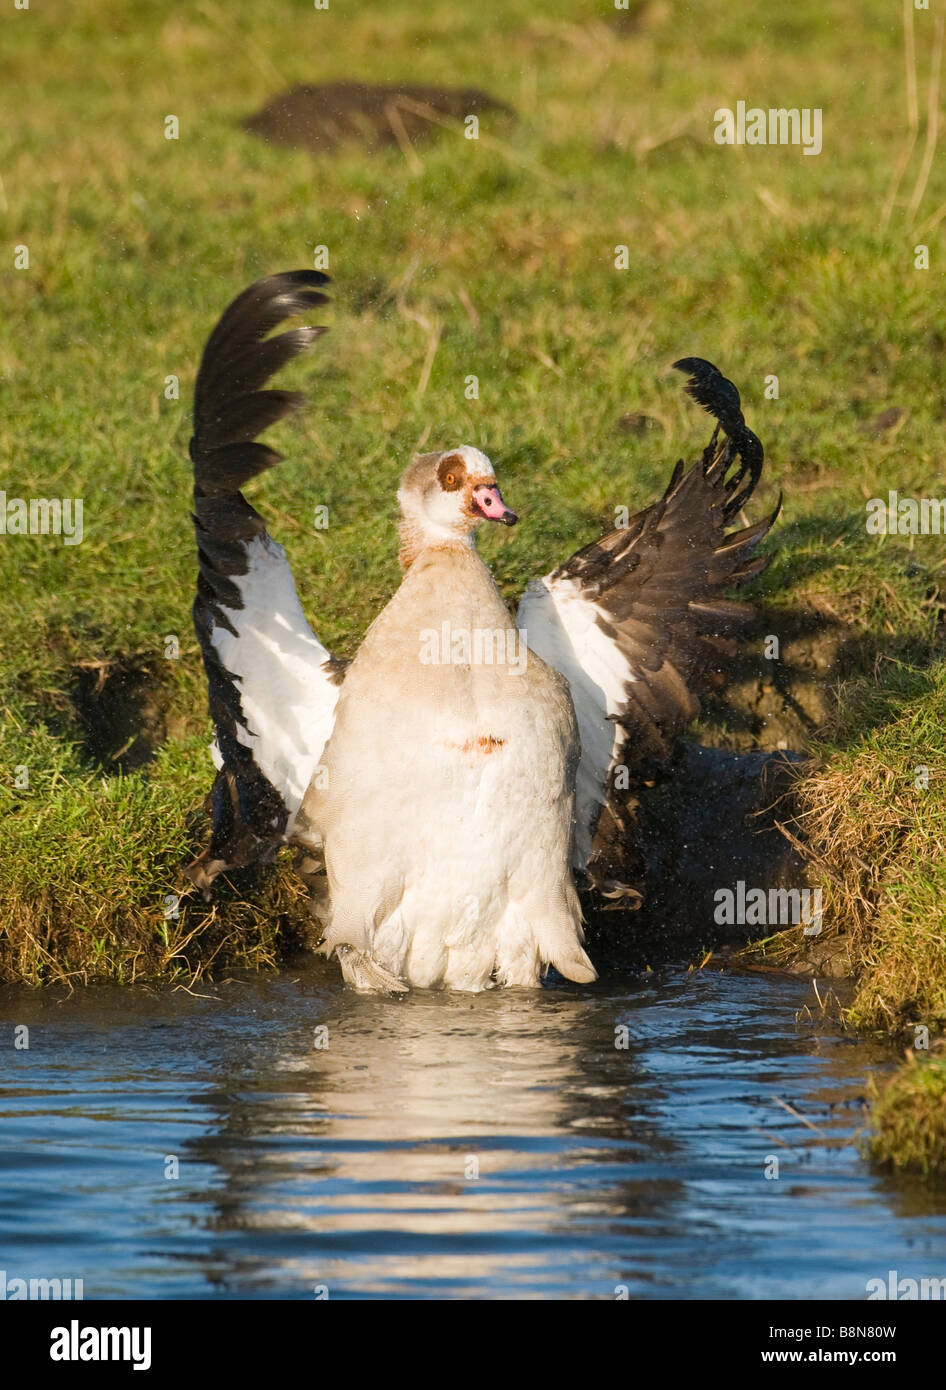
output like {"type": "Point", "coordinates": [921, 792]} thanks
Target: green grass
{"type": "Point", "coordinates": [764, 260]}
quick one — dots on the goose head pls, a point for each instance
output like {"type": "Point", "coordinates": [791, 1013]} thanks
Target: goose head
{"type": "Point", "coordinates": [444, 497]}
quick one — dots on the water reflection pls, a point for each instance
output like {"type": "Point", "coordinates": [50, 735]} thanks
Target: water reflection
{"type": "Point", "coordinates": [569, 1142]}
{"type": "Point", "coordinates": [465, 1135]}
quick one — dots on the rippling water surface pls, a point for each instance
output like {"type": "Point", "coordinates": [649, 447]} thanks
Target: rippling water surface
{"type": "Point", "coordinates": [447, 1145]}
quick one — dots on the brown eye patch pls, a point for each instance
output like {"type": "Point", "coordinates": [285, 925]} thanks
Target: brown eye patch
{"type": "Point", "coordinates": [451, 473]}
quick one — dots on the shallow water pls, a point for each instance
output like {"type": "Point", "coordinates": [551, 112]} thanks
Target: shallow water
{"type": "Point", "coordinates": [447, 1145]}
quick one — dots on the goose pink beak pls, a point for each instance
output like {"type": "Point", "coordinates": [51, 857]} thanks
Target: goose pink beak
{"type": "Point", "coordinates": [488, 501]}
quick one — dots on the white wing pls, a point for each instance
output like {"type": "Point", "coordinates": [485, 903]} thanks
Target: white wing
{"type": "Point", "coordinates": [638, 623]}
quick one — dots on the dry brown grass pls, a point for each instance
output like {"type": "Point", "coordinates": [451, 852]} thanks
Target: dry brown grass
{"type": "Point", "coordinates": [255, 922]}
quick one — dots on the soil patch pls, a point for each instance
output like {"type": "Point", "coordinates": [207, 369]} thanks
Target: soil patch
{"type": "Point", "coordinates": [323, 118]}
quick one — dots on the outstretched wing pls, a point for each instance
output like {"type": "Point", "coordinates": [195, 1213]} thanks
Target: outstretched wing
{"type": "Point", "coordinates": [639, 623]}
{"type": "Point", "coordinates": [273, 686]}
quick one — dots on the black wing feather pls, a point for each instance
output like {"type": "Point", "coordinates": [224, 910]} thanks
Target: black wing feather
{"type": "Point", "coordinates": [657, 588]}
{"type": "Point", "coordinates": [230, 410]}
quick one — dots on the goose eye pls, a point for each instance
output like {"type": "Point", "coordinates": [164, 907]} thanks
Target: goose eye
{"type": "Point", "coordinates": [451, 474]}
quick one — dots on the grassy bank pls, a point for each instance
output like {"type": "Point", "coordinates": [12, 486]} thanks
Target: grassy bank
{"type": "Point", "coordinates": [490, 258]}
{"type": "Point", "coordinates": [872, 815]}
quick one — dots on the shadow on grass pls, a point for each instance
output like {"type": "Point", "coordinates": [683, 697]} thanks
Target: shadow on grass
{"type": "Point", "coordinates": [864, 623]}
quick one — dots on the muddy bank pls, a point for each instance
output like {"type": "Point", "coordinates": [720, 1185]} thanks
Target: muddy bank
{"type": "Point", "coordinates": [714, 822]}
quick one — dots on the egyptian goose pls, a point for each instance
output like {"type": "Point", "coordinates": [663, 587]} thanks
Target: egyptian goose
{"type": "Point", "coordinates": [451, 784]}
